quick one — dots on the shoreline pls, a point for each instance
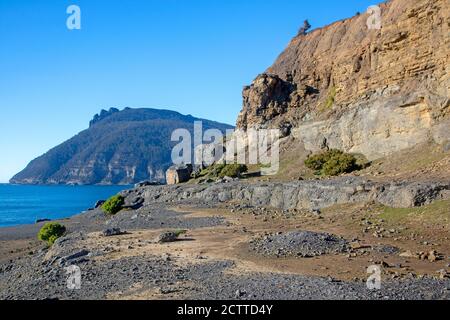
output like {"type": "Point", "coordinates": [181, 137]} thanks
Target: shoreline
{"type": "Point", "coordinates": [25, 204]}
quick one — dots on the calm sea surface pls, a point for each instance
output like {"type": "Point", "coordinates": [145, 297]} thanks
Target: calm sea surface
{"type": "Point", "coordinates": [21, 204]}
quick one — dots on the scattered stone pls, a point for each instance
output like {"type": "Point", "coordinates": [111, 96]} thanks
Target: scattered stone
{"type": "Point", "coordinates": [167, 237]}
{"type": "Point", "coordinates": [443, 274]}
{"type": "Point", "coordinates": [74, 256]}
{"type": "Point", "coordinates": [240, 293]}
{"type": "Point", "coordinates": [409, 254]}
{"type": "Point", "coordinates": [300, 244]}
{"type": "Point", "coordinates": [356, 245]}
{"type": "Point", "coordinates": [386, 249]}
{"type": "Point", "coordinates": [384, 264]}
{"type": "Point", "coordinates": [433, 256]}
{"type": "Point", "coordinates": [112, 232]}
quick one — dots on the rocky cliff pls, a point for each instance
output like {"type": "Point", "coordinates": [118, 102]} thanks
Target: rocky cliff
{"type": "Point", "coordinates": [120, 147]}
{"type": "Point", "coordinates": [366, 91]}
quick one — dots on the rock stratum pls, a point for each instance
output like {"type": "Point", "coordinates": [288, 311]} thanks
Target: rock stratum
{"type": "Point", "coordinates": [365, 91]}
{"type": "Point", "coordinates": [301, 195]}
{"type": "Point", "coordinates": [120, 147]}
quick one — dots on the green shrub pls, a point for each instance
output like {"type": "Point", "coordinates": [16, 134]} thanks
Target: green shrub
{"type": "Point", "coordinates": [220, 170]}
{"type": "Point", "coordinates": [180, 232]}
{"type": "Point", "coordinates": [332, 163]}
{"type": "Point", "coordinates": [233, 170]}
{"type": "Point", "coordinates": [337, 165]}
{"type": "Point", "coordinates": [50, 232]}
{"type": "Point", "coordinates": [212, 171]}
{"type": "Point", "coordinates": [317, 161]}
{"type": "Point", "coordinates": [113, 204]}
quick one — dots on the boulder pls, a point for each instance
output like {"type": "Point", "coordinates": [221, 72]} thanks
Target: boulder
{"type": "Point", "coordinates": [134, 203]}
{"type": "Point", "coordinates": [99, 203]}
{"type": "Point", "coordinates": [178, 174]}
{"type": "Point", "coordinates": [42, 220]}
{"type": "Point", "coordinates": [147, 184]}
{"type": "Point", "coordinates": [112, 232]}
{"type": "Point", "coordinates": [167, 237]}
{"type": "Point", "coordinates": [74, 258]}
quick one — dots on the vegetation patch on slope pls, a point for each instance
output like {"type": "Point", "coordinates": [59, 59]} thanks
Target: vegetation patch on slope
{"type": "Point", "coordinates": [50, 232]}
{"type": "Point", "coordinates": [333, 163]}
{"type": "Point", "coordinates": [114, 204]}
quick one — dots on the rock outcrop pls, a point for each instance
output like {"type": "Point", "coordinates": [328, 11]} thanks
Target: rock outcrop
{"type": "Point", "coordinates": [366, 91]}
{"type": "Point", "coordinates": [309, 195]}
{"type": "Point", "coordinates": [178, 174]}
{"type": "Point", "coordinates": [102, 115]}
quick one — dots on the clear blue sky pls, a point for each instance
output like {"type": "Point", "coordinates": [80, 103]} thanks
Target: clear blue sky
{"type": "Point", "coordinates": [192, 56]}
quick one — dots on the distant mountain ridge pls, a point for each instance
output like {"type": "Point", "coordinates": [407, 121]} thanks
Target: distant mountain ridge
{"type": "Point", "coordinates": [119, 147]}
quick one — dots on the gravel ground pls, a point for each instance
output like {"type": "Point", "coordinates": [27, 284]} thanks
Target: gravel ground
{"type": "Point", "coordinates": [157, 217]}
{"type": "Point", "coordinates": [139, 275]}
{"type": "Point", "coordinates": [303, 244]}
{"type": "Point", "coordinates": [295, 287]}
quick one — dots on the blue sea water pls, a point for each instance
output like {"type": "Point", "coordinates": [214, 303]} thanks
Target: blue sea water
{"type": "Point", "coordinates": [23, 204]}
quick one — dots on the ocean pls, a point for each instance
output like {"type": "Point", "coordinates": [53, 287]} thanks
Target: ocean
{"type": "Point", "coordinates": [24, 204]}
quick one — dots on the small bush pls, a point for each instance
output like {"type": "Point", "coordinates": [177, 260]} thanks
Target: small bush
{"type": "Point", "coordinates": [50, 232]}
{"type": "Point", "coordinates": [332, 163]}
{"type": "Point", "coordinates": [113, 204]}
{"type": "Point", "coordinates": [304, 29]}
{"type": "Point", "coordinates": [220, 170]}
{"type": "Point", "coordinates": [213, 171]}
{"type": "Point", "coordinates": [233, 170]}
{"type": "Point", "coordinates": [317, 161]}
{"type": "Point", "coordinates": [337, 165]}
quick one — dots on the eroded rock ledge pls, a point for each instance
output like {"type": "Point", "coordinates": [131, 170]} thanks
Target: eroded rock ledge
{"type": "Point", "coordinates": [313, 194]}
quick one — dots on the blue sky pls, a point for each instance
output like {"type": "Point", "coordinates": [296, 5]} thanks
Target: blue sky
{"type": "Point", "coordinates": [192, 56]}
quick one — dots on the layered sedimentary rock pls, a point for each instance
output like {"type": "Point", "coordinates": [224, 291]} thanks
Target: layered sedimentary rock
{"type": "Point", "coordinates": [313, 194]}
{"type": "Point", "coordinates": [361, 90]}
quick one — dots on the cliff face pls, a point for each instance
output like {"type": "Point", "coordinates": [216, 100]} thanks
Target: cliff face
{"type": "Point", "coordinates": [369, 91]}
{"type": "Point", "coordinates": [120, 147]}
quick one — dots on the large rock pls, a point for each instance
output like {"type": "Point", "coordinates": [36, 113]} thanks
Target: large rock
{"type": "Point", "coordinates": [147, 184]}
{"type": "Point", "coordinates": [112, 232]}
{"type": "Point", "coordinates": [178, 174]}
{"type": "Point", "coordinates": [167, 237]}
